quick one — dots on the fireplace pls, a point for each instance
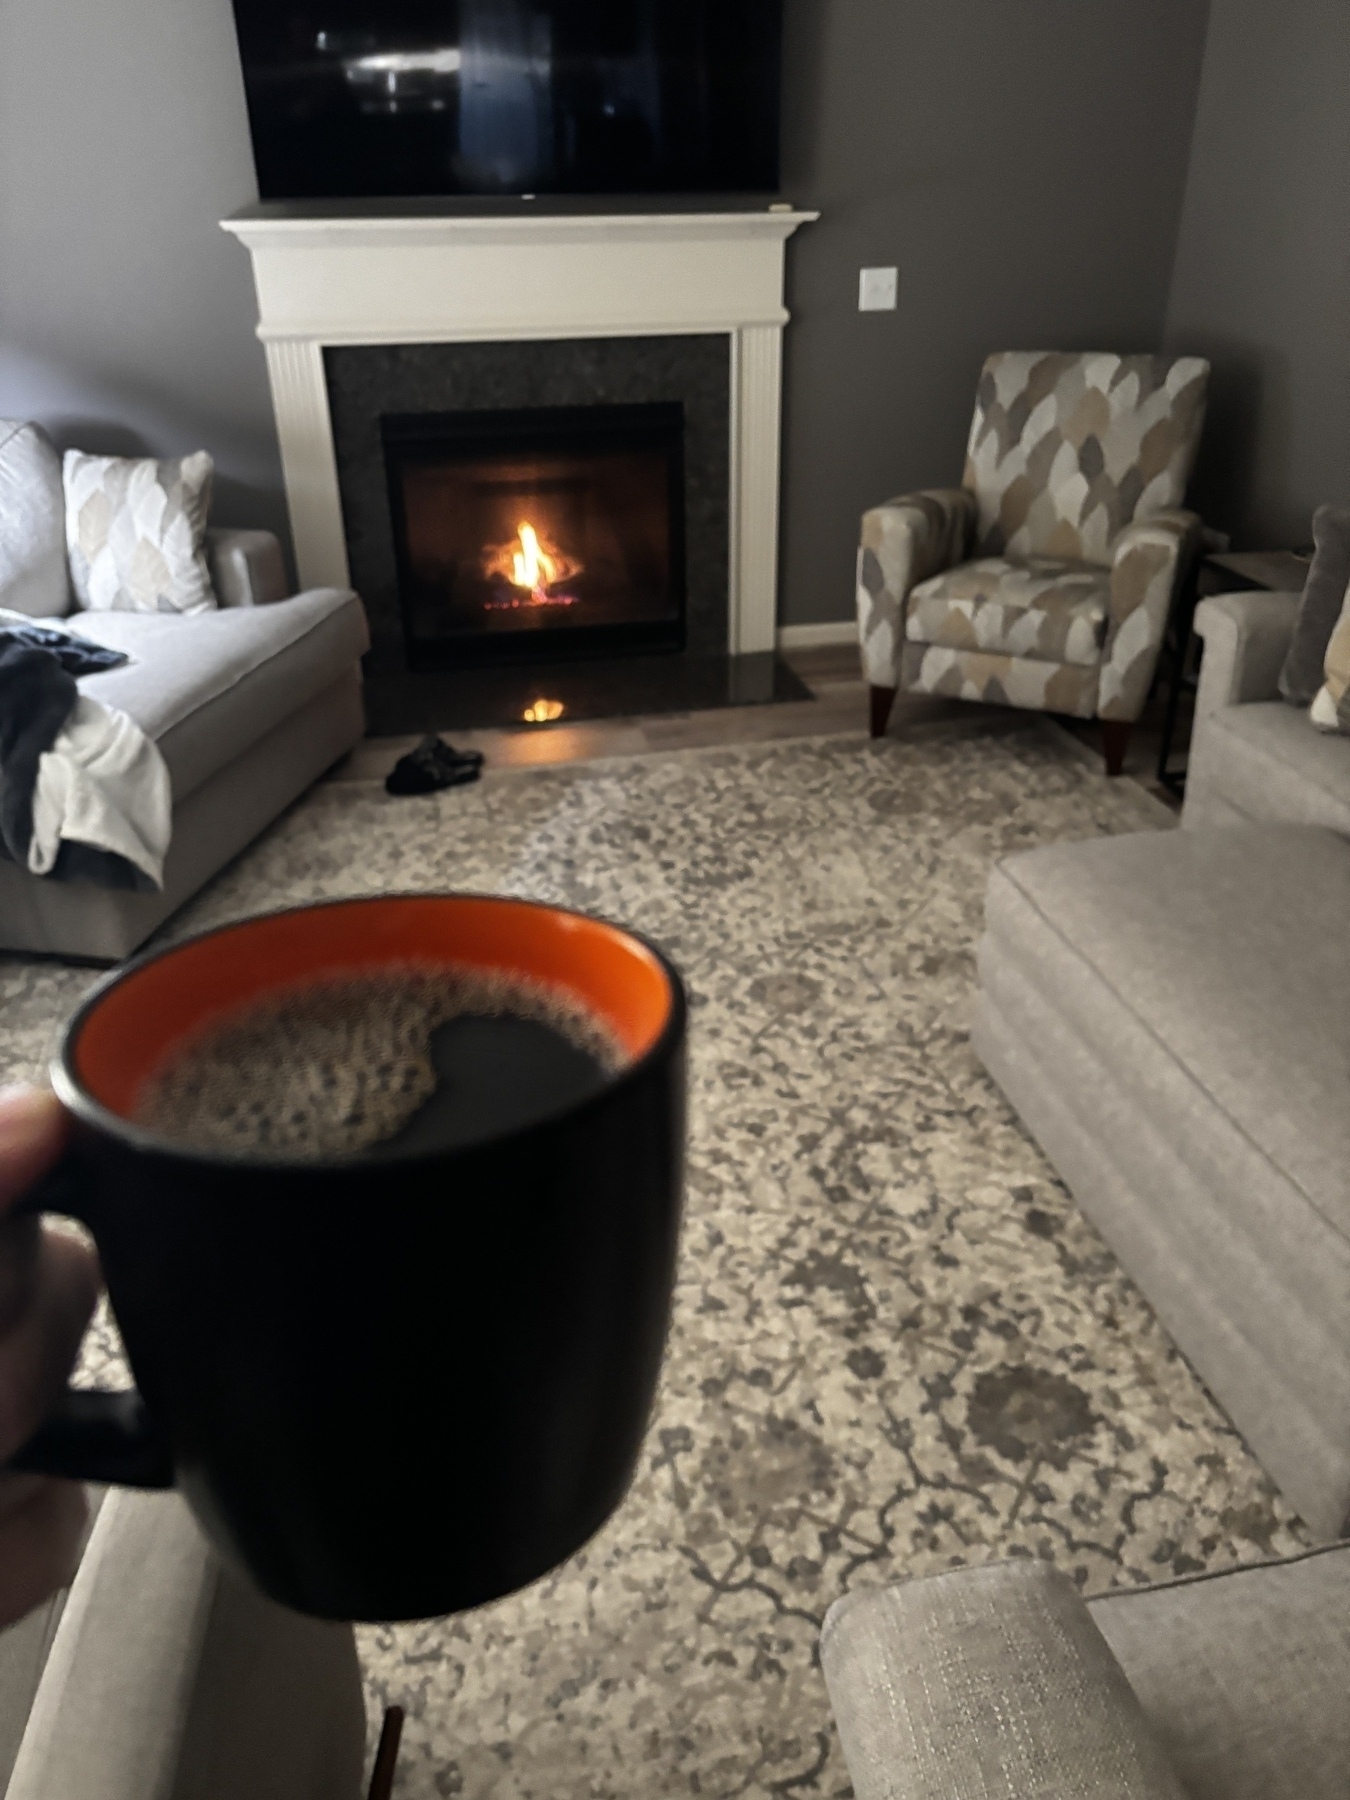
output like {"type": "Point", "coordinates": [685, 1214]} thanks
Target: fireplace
{"type": "Point", "coordinates": [537, 533]}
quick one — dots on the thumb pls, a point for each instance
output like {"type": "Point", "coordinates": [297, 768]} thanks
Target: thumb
{"type": "Point", "coordinates": [33, 1129]}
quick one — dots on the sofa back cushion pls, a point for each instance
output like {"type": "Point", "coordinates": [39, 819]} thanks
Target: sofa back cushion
{"type": "Point", "coordinates": [1067, 450]}
{"type": "Point", "coordinates": [33, 576]}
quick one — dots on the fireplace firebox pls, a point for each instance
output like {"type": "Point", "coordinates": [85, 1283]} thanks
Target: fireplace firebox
{"type": "Point", "coordinates": [537, 533]}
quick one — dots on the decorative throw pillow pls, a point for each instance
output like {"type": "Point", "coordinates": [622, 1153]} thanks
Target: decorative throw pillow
{"type": "Point", "coordinates": [136, 532]}
{"type": "Point", "coordinates": [1330, 711]}
{"type": "Point", "coordinates": [1301, 676]}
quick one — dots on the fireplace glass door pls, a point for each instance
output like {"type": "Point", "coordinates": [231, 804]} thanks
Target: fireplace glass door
{"type": "Point", "coordinates": [550, 531]}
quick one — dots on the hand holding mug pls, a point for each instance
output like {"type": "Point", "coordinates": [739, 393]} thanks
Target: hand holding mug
{"type": "Point", "coordinates": [48, 1286]}
{"type": "Point", "coordinates": [394, 1382]}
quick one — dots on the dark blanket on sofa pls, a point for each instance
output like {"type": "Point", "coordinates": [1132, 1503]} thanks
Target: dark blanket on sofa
{"type": "Point", "coordinates": [37, 695]}
{"type": "Point", "coordinates": [36, 698]}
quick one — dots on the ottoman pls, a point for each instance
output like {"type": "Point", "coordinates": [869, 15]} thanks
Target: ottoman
{"type": "Point", "coordinates": [1169, 1013]}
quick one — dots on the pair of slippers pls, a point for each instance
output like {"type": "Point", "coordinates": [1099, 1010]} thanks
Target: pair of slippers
{"type": "Point", "coordinates": [433, 765]}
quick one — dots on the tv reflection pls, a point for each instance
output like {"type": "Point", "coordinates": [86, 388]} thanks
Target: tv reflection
{"type": "Point", "coordinates": [517, 106]}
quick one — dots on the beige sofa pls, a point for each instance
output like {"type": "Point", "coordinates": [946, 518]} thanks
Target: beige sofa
{"type": "Point", "coordinates": [161, 1675]}
{"type": "Point", "coordinates": [1168, 1014]}
{"type": "Point", "coordinates": [248, 704]}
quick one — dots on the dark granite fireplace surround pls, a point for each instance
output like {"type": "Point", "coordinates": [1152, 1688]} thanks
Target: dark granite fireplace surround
{"type": "Point", "coordinates": [366, 381]}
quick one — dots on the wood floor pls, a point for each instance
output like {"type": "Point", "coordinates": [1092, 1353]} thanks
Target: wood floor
{"type": "Point", "coordinates": [838, 706]}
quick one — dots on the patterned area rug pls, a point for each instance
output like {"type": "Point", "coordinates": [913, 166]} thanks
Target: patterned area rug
{"type": "Point", "coordinates": [896, 1344]}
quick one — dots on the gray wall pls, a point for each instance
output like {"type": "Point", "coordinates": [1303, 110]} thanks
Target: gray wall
{"type": "Point", "coordinates": [1262, 277]}
{"type": "Point", "coordinates": [126, 316]}
{"type": "Point", "coordinates": [1022, 161]}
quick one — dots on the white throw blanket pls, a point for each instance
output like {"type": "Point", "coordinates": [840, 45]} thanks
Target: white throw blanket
{"type": "Point", "coordinates": [103, 782]}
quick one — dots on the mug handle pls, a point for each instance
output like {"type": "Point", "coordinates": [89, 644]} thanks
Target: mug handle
{"type": "Point", "coordinates": [90, 1434]}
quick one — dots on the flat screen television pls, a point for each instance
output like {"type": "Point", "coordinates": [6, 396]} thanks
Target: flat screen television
{"type": "Point", "coordinates": [366, 98]}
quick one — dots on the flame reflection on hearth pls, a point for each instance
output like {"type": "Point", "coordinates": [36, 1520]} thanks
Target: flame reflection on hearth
{"type": "Point", "coordinates": [533, 567]}
{"type": "Point", "coordinates": [542, 712]}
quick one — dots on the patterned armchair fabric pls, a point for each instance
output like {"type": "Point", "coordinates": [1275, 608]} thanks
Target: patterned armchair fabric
{"type": "Point", "coordinates": [902, 542]}
{"type": "Point", "coordinates": [1075, 468]}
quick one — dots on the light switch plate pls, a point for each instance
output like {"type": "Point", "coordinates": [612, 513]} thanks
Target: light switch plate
{"type": "Point", "coordinates": [877, 289]}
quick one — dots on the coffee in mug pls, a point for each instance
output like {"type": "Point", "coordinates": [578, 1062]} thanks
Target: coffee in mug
{"type": "Point", "coordinates": [407, 1058]}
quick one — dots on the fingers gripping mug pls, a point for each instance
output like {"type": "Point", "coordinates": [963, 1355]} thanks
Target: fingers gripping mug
{"type": "Point", "coordinates": [399, 1383]}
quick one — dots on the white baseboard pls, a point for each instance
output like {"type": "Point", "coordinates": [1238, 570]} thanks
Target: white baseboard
{"type": "Point", "coordinates": [818, 637]}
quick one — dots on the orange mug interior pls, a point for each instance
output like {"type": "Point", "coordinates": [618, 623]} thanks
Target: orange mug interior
{"type": "Point", "coordinates": [139, 1019]}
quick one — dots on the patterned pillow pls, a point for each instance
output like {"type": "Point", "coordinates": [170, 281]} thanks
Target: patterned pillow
{"type": "Point", "coordinates": [1330, 711]}
{"type": "Point", "coordinates": [1320, 607]}
{"type": "Point", "coordinates": [136, 532]}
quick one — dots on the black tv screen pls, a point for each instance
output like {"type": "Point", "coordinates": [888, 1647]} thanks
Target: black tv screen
{"type": "Point", "coordinates": [352, 98]}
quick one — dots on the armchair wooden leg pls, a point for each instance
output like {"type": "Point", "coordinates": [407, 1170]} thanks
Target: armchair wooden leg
{"type": "Point", "coordinates": [1115, 742]}
{"type": "Point", "coordinates": [882, 699]}
{"type": "Point", "coordinates": [386, 1755]}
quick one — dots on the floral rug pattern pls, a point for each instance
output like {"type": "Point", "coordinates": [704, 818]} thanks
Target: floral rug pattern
{"type": "Point", "coordinates": [896, 1345]}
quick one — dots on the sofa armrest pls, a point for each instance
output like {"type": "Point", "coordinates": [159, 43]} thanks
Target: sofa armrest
{"type": "Point", "coordinates": [1247, 638]}
{"type": "Point", "coordinates": [992, 1681]}
{"type": "Point", "coordinates": [246, 567]}
{"type": "Point", "coordinates": [169, 1676]}
{"type": "Point", "coordinates": [903, 542]}
{"type": "Point", "coordinates": [1151, 559]}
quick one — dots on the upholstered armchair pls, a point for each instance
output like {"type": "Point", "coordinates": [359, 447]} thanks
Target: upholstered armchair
{"type": "Point", "coordinates": [1046, 579]}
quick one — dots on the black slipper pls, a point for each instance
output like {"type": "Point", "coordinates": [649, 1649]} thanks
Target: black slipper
{"type": "Point", "coordinates": [444, 753]}
{"type": "Point", "coordinates": [433, 765]}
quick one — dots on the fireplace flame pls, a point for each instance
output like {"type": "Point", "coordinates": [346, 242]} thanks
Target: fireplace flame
{"type": "Point", "coordinates": [532, 565]}
{"type": "Point", "coordinates": [542, 712]}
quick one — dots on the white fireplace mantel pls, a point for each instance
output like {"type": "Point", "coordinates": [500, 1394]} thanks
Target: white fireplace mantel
{"type": "Point", "coordinates": [442, 278]}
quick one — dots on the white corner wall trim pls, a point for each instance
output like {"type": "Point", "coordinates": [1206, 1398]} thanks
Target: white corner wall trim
{"type": "Point", "coordinates": [818, 637]}
{"type": "Point", "coordinates": [435, 278]}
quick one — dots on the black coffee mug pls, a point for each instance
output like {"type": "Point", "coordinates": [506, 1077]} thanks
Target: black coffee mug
{"type": "Point", "coordinates": [394, 1386]}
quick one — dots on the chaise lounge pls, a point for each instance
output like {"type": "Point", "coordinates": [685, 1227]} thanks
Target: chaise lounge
{"type": "Point", "coordinates": [248, 703]}
{"type": "Point", "coordinates": [1168, 1014]}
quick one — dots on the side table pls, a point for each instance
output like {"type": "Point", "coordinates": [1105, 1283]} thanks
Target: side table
{"type": "Point", "coordinates": [1223, 572]}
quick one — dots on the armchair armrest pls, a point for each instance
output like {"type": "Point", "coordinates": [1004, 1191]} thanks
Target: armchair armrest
{"type": "Point", "coordinates": [168, 1675]}
{"type": "Point", "coordinates": [1151, 559]}
{"type": "Point", "coordinates": [992, 1681]}
{"type": "Point", "coordinates": [904, 542]}
{"type": "Point", "coordinates": [1247, 638]}
{"type": "Point", "coordinates": [246, 567]}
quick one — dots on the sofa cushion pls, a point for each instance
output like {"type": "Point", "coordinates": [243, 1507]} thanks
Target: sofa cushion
{"type": "Point", "coordinates": [1244, 1675]}
{"type": "Point", "coordinates": [1228, 947]}
{"type": "Point", "coordinates": [206, 687]}
{"type": "Point", "coordinates": [33, 575]}
{"type": "Point", "coordinates": [1048, 609]}
{"type": "Point", "coordinates": [1273, 766]}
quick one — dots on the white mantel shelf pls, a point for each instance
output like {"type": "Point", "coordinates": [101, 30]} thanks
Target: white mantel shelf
{"type": "Point", "coordinates": [450, 278]}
